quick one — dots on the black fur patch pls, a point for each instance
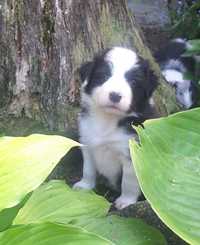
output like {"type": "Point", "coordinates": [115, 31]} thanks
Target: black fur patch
{"type": "Point", "coordinates": [96, 72]}
{"type": "Point", "coordinates": [174, 50]}
{"type": "Point", "coordinates": [127, 123]}
{"type": "Point", "coordinates": [195, 94]}
{"type": "Point", "coordinates": [99, 74]}
{"type": "Point", "coordinates": [85, 70]}
{"type": "Point", "coordinates": [143, 82]}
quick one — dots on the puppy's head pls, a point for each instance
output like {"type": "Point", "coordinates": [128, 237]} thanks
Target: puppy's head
{"type": "Point", "coordinates": [118, 82]}
{"type": "Point", "coordinates": [186, 90]}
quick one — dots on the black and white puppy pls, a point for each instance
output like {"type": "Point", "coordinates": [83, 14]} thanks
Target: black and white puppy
{"type": "Point", "coordinates": [174, 67]}
{"type": "Point", "coordinates": [117, 88]}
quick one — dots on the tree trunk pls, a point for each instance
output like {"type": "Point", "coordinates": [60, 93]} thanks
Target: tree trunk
{"type": "Point", "coordinates": [43, 42]}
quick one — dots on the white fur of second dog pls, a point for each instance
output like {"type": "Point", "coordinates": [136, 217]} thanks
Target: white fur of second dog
{"type": "Point", "coordinates": [183, 93]}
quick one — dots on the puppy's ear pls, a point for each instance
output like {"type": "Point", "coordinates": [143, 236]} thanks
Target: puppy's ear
{"type": "Point", "coordinates": [85, 70]}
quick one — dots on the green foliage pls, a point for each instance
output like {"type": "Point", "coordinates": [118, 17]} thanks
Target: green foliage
{"type": "Point", "coordinates": [186, 21]}
{"type": "Point", "coordinates": [167, 163]}
{"type": "Point", "coordinates": [49, 234]}
{"type": "Point", "coordinates": [59, 203]}
{"type": "Point", "coordinates": [53, 213]}
{"type": "Point", "coordinates": [25, 162]}
{"type": "Point", "coordinates": [193, 50]}
{"type": "Point", "coordinates": [7, 215]}
{"type": "Point", "coordinates": [123, 231]}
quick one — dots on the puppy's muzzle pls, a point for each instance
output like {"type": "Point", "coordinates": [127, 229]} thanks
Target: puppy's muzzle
{"type": "Point", "coordinates": [115, 97]}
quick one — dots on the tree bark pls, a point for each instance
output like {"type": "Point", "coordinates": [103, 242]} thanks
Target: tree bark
{"type": "Point", "coordinates": [43, 42]}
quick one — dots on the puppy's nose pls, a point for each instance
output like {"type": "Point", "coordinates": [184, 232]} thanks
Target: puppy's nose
{"type": "Point", "coordinates": [115, 97]}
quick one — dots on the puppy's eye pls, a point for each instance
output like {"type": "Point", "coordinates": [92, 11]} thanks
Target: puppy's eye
{"type": "Point", "coordinates": [101, 74]}
{"type": "Point", "coordinates": [100, 77]}
{"type": "Point", "coordinates": [131, 76]}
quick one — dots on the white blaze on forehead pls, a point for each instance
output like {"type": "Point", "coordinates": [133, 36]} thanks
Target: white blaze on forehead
{"type": "Point", "coordinates": [179, 40]}
{"type": "Point", "coordinates": [122, 59]}
{"type": "Point", "coordinates": [173, 76]}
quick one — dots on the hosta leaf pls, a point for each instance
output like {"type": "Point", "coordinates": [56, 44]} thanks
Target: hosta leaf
{"type": "Point", "coordinates": [49, 234]}
{"type": "Point", "coordinates": [56, 202]}
{"type": "Point", "coordinates": [167, 163]}
{"type": "Point", "coordinates": [124, 231]}
{"type": "Point", "coordinates": [8, 215]}
{"type": "Point", "coordinates": [25, 162]}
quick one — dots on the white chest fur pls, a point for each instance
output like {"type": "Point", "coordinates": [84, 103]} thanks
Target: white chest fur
{"type": "Point", "coordinates": [106, 142]}
{"type": "Point", "coordinates": [105, 150]}
{"type": "Point", "coordinates": [100, 129]}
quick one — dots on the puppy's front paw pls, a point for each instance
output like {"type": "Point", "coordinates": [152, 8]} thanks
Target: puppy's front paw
{"type": "Point", "coordinates": [124, 201]}
{"type": "Point", "coordinates": [83, 184]}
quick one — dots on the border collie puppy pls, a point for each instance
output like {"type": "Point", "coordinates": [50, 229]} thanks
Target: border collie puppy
{"type": "Point", "coordinates": [174, 66]}
{"type": "Point", "coordinates": [117, 87]}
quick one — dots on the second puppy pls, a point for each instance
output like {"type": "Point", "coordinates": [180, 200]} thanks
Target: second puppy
{"type": "Point", "coordinates": [175, 66]}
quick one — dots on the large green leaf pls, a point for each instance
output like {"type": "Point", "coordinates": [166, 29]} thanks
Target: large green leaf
{"type": "Point", "coordinates": [8, 215]}
{"type": "Point", "coordinates": [124, 231]}
{"type": "Point", "coordinates": [167, 163]}
{"type": "Point", "coordinates": [49, 234]}
{"type": "Point", "coordinates": [25, 162]}
{"type": "Point", "coordinates": [56, 202]}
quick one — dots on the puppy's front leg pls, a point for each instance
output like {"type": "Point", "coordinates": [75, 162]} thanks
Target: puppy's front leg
{"type": "Point", "coordinates": [130, 187]}
{"type": "Point", "coordinates": [88, 180]}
